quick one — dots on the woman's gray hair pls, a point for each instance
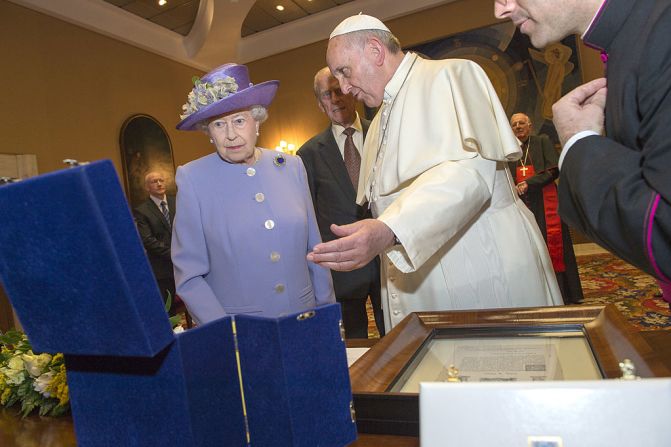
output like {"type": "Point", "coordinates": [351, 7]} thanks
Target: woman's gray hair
{"type": "Point", "coordinates": [259, 113]}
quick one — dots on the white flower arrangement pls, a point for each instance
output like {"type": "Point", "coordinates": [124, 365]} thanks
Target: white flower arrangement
{"type": "Point", "coordinates": [36, 381]}
{"type": "Point", "coordinates": [205, 93]}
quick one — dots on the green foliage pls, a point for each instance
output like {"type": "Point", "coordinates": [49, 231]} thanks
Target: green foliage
{"type": "Point", "coordinates": [34, 381]}
{"type": "Point", "coordinates": [175, 320]}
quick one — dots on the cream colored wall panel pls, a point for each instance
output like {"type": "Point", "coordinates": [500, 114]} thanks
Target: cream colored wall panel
{"type": "Point", "coordinates": [8, 166]}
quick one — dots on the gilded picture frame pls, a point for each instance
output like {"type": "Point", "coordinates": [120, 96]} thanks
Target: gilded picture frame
{"type": "Point", "coordinates": [145, 147]}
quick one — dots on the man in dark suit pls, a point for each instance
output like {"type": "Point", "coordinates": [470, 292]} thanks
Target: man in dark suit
{"type": "Point", "coordinates": [154, 219]}
{"type": "Point", "coordinates": [614, 187]}
{"type": "Point", "coordinates": [332, 160]}
{"type": "Point", "coordinates": [535, 174]}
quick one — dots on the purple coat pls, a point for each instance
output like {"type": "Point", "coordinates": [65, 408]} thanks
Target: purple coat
{"type": "Point", "coordinates": [240, 237]}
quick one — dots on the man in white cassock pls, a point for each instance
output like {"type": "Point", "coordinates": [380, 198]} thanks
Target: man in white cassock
{"type": "Point", "coordinates": [451, 228]}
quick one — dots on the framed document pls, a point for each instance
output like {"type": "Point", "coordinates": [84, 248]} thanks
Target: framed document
{"type": "Point", "coordinates": [507, 345]}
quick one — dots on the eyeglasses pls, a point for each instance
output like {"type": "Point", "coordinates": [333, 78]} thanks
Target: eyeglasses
{"type": "Point", "coordinates": [326, 95]}
{"type": "Point", "coordinates": [238, 122]}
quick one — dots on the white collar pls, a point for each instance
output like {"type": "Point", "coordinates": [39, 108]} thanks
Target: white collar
{"type": "Point", "coordinates": [158, 201]}
{"type": "Point", "coordinates": [396, 82]}
{"type": "Point", "coordinates": [338, 129]}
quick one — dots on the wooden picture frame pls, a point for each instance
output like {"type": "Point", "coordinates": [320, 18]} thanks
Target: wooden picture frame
{"type": "Point", "coordinates": [382, 411]}
{"type": "Point", "coordinates": [145, 147]}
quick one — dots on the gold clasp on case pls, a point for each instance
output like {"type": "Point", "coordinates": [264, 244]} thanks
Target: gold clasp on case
{"type": "Point", "coordinates": [306, 315]}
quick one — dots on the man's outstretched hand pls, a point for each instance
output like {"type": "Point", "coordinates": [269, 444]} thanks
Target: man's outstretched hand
{"type": "Point", "coordinates": [357, 244]}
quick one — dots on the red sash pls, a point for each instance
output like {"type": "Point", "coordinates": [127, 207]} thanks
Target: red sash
{"type": "Point", "coordinates": [552, 222]}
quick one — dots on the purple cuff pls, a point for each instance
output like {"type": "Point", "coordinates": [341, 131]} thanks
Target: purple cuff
{"type": "Point", "coordinates": [648, 236]}
{"type": "Point", "coordinates": [666, 290]}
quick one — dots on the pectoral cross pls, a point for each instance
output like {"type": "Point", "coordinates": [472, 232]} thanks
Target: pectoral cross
{"type": "Point", "coordinates": [524, 170]}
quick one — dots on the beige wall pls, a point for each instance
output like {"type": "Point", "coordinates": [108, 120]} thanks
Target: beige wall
{"type": "Point", "coordinates": [66, 91]}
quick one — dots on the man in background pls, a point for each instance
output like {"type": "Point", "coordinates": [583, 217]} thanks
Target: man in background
{"type": "Point", "coordinates": [332, 160]}
{"type": "Point", "coordinates": [616, 187]}
{"type": "Point", "coordinates": [534, 175]}
{"type": "Point", "coordinates": [453, 233]}
{"type": "Point", "coordinates": [154, 219]}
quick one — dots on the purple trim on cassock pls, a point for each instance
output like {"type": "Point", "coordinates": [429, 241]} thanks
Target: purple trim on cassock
{"type": "Point", "coordinates": [604, 57]}
{"type": "Point", "coordinates": [666, 290]}
{"type": "Point", "coordinates": [648, 241]}
{"type": "Point", "coordinates": [585, 37]}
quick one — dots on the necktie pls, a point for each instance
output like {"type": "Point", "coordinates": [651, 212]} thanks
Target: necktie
{"type": "Point", "coordinates": [164, 210]}
{"type": "Point", "coordinates": [352, 158]}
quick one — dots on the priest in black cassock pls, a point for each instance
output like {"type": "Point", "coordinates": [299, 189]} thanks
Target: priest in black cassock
{"type": "Point", "coordinates": [534, 175]}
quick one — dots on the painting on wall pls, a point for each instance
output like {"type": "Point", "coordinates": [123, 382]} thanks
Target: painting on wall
{"type": "Point", "coordinates": [145, 148]}
{"type": "Point", "coordinates": [527, 80]}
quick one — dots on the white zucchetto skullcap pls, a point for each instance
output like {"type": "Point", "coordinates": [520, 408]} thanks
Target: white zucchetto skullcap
{"type": "Point", "coordinates": [359, 22]}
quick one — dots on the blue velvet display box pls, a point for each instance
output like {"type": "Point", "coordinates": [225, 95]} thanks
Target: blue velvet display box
{"type": "Point", "coordinates": [75, 271]}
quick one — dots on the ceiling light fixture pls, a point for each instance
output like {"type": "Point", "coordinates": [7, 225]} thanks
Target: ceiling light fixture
{"type": "Point", "coordinates": [162, 2]}
{"type": "Point", "coordinates": [279, 7]}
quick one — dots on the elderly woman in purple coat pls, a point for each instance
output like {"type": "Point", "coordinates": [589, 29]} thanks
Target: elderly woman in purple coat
{"type": "Point", "coordinates": [244, 220]}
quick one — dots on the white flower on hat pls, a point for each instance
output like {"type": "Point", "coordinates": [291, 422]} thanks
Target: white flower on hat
{"type": "Point", "coordinates": [204, 93]}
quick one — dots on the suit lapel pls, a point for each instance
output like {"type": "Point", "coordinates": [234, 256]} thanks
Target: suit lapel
{"type": "Point", "coordinates": [172, 206]}
{"type": "Point", "coordinates": [158, 214]}
{"type": "Point", "coordinates": [333, 159]}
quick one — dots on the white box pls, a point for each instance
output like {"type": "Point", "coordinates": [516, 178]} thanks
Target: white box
{"type": "Point", "coordinates": [592, 413]}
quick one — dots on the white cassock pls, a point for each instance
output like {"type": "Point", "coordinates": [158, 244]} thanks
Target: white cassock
{"type": "Point", "coordinates": [434, 170]}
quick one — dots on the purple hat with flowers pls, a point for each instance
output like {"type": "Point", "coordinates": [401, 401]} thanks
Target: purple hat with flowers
{"type": "Point", "coordinates": [225, 89]}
